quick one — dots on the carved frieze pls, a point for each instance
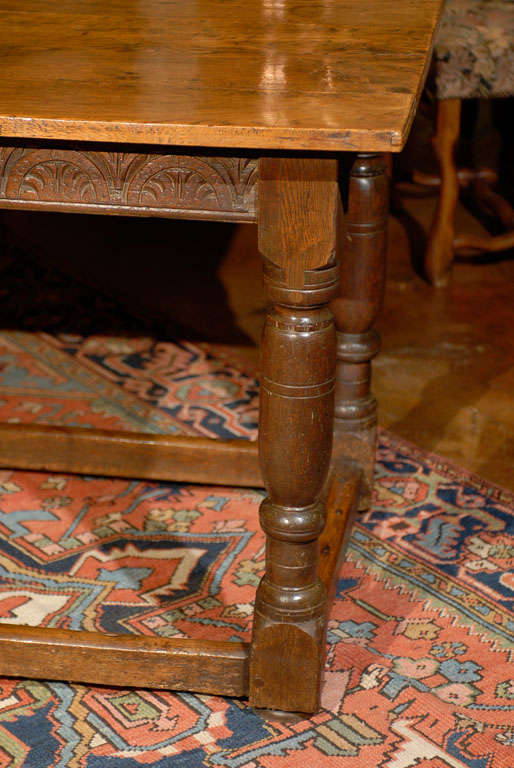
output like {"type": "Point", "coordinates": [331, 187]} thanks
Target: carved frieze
{"type": "Point", "coordinates": [159, 184]}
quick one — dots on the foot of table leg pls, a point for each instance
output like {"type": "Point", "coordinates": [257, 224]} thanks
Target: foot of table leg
{"type": "Point", "coordinates": [341, 501]}
{"type": "Point", "coordinates": [360, 297]}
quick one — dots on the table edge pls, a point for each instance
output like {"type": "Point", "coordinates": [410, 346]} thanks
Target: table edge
{"type": "Point", "coordinates": [216, 136]}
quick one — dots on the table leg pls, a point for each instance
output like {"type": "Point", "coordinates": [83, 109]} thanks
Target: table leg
{"type": "Point", "coordinates": [362, 259]}
{"type": "Point", "coordinates": [440, 247]}
{"type": "Point", "coordinates": [295, 437]}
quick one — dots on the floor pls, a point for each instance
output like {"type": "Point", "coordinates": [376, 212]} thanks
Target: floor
{"type": "Point", "coordinates": [444, 378]}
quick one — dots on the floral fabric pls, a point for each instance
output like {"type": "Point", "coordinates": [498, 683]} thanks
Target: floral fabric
{"type": "Point", "coordinates": [474, 50]}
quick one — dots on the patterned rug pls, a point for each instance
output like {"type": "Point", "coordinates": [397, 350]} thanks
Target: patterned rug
{"type": "Point", "coordinates": [419, 666]}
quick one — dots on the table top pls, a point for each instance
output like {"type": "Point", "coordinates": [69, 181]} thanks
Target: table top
{"type": "Point", "coordinates": [261, 74]}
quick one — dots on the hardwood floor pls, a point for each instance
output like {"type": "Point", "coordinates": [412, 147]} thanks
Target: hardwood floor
{"type": "Point", "coordinates": [444, 378]}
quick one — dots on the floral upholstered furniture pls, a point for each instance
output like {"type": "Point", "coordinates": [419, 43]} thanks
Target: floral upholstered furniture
{"type": "Point", "coordinates": [473, 58]}
{"type": "Point", "coordinates": [474, 51]}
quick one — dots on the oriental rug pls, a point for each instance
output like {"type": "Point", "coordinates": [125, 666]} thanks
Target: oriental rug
{"type": "Point", "coordinates": [419, 666]}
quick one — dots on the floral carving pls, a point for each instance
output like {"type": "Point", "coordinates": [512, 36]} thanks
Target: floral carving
{"type": "Point", "coordinates": [187, 187]}
{"type": "Point", "coordinates": [57, 180]}
{"type": "Point", "coordinates": [157, 182]}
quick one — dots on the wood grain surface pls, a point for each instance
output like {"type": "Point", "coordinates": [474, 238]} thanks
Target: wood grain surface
{"type": "Point", "coordinates": [296, 410]}
{"type": "Point", "coordinates": [308, 74]}
{"type": "Point", "coordinates": [362, 258]}
{"type": "Point", "coordinates": [341, 499]}
{"type": "Point", "coordinates": [87, 179]}
{"type": "Point", "coordinates": [204, 666]}
{"type": "Point", "coordinates": [114, 453]}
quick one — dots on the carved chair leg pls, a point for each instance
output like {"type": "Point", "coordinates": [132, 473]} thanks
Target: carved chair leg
{"type": "Point", "coordinates": [363, 258]}
{"type": "Point", "coordinates": [440, 248]}
{"type": "Point", "coordinates": [297, 237]}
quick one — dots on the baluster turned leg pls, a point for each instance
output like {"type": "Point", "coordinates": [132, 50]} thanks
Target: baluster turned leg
{"type": "Point", "coordinates": [295, 430]}
{"type": "Point", "coordinates": [362, 261]}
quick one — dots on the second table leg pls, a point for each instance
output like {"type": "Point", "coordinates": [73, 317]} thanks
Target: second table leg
{"type": "Point", "coordinates": [361, 290]}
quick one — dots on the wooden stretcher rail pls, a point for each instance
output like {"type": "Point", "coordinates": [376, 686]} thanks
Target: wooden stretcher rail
{"type": "Point", "coordinates": [126, 454]}
{"type": "Point", "coordinates": [342, 501]}
{"type": "Point", "coordinates": [203, 666]}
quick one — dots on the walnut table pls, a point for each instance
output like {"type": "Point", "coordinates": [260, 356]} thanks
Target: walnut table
{"type": "Point", "coordinates": [234, 110]}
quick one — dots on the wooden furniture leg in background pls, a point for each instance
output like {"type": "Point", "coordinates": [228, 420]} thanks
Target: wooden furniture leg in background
{"type": "Point", "coordinates": [362, 280]}
{"type": "Point", "coordinates": [297, 231]}
{"type": "Point", "coordinates": [440, 248]}
{"type": "Point", "coordinates": [495, 205]}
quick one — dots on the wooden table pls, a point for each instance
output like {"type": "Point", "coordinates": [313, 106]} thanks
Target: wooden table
{"type": "Point", "coordinates": [240, 110]}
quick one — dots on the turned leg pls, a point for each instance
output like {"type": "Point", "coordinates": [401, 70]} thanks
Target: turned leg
{"type": "Point", "coordinates": [440, 249]}
{"type": "Point", "coordinates": [362, 260]}
{"type": "Point", "coordinates": [297, 238]}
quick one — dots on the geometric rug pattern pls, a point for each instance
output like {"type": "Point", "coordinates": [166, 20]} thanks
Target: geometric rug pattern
{"type": "Point", "coordinates": [419, 669]}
